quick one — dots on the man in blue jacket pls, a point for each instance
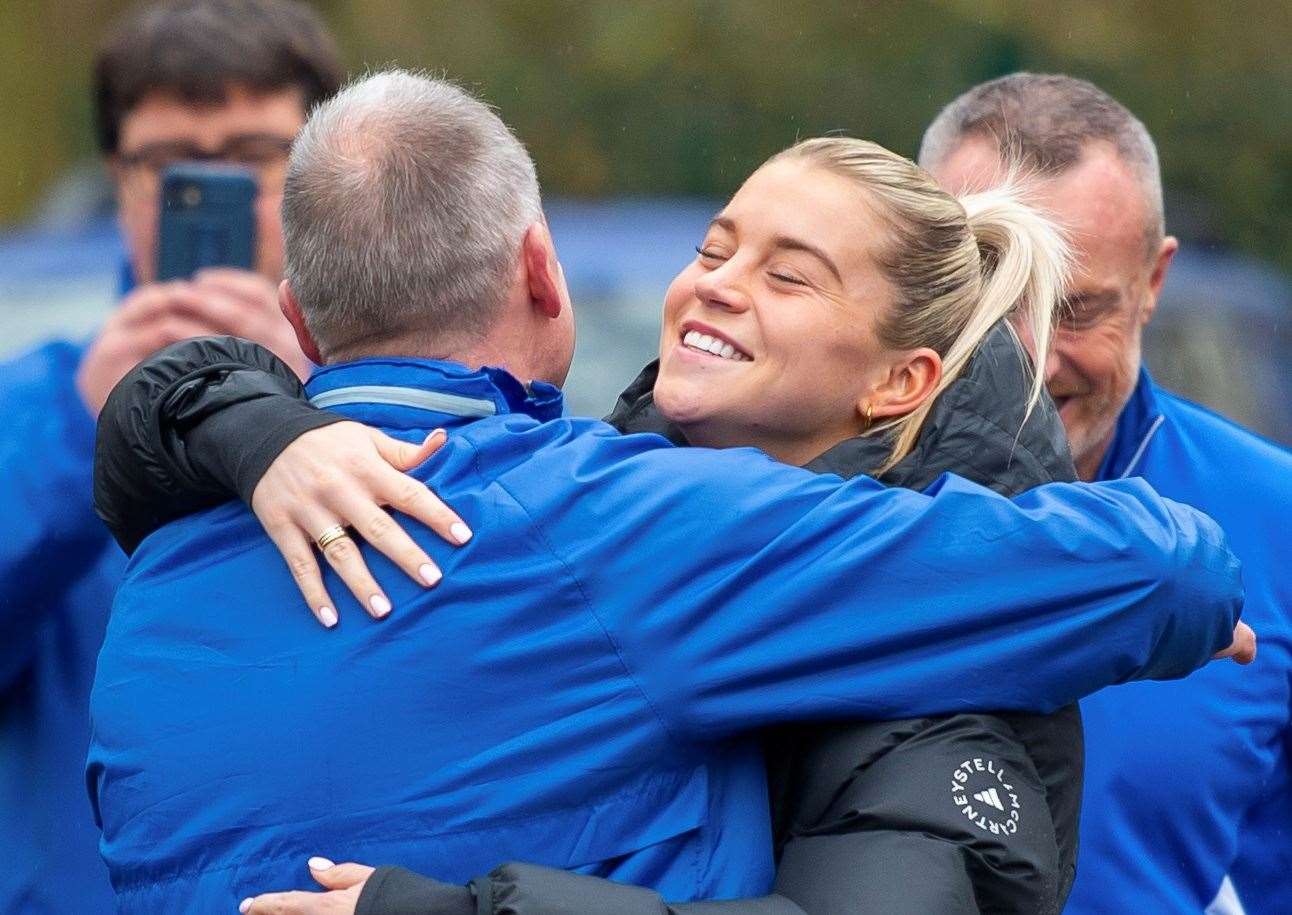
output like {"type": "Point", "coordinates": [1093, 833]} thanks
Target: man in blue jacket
{"type": "Point", "coordinates": [1185, 781]}
{"type": "Point", "coordinates": [222, 79]}
{"type": "Point", "coordinates": [575, 691]}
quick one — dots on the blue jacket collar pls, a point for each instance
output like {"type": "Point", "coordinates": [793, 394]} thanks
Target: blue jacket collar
{"type": "Point", "coordinates": [1139, 421]}
{"type": "Point", "coordinates": [424, 392]}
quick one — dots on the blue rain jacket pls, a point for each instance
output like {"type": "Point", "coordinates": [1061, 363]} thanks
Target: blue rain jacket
{"type": "Point", "coordinates": [58, 571]}
{"type": "Point", "coordinates": [1173, 769]}
{"type": "Point", "coordinates": [576, 691]}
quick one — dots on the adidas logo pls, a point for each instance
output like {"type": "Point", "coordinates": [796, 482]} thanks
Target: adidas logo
{"type": "Point", "coordinates": [990, 797]}
{"type": "Point", "coordinates": [983, 793]}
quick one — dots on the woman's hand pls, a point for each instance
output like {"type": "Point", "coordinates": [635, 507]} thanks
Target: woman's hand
{"type": "Point", "coordinates": [343, 474]}
{"type": "Point", "coordinates": [1243, 648]}
{"type": "Point", "coordinates": [343, 883]}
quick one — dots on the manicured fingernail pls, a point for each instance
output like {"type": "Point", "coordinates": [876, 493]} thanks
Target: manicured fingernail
{"type": "Point", "coordinates": [244, 905]}
{"type": "Point", "coordinates": [328, 616]}
{"type": "Point", "coordinates": [461, 533]}
{"type": "Point", "coordinates": [430, 574]}
{"type": "Point", "coordinates": [320, 864]}
{"type": "Point", "coordinates": [380, 606]}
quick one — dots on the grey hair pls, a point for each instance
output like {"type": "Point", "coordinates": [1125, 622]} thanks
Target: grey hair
{"type": "Point", "coordinates": [1043, 123]}
{"type": "Point", "coordinates": [404, 208]}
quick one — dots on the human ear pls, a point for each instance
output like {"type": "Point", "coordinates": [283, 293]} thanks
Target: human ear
{"type": "Point", "coordinates": [911, 380]}
{"type": "Point", "coordinates": [292, 312]}
{"type": "Point", "coordinates": [543, 271]}
{"type": "Point", "coordinates": [1161, 262]}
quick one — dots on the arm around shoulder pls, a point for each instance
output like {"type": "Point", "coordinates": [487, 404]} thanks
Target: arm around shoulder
{"type": "Point", "coordinates": [192, 426]}
{"type": "Point", "coordinates": [776, 594]}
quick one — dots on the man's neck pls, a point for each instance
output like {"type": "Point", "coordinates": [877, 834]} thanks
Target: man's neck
{"type": "Point", "coordinates": [474, 355]}
{"type": "Point", "coordinates": [1088, 464]}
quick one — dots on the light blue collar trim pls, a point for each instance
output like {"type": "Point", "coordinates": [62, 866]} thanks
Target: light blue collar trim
{"type": "Point", "coordinates": [1143, 446]}
{"type": "Point", "coordinates": [436, 401]}
{"type": "Point", "coordinates": [1139, 423]}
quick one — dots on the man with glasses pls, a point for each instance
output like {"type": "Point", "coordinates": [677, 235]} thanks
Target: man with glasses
{"type": "Point", "coordinates": [214, 80]}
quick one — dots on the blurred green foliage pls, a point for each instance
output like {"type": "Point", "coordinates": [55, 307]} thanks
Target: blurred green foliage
{"type": "Point", "coordinates": [678, 97]}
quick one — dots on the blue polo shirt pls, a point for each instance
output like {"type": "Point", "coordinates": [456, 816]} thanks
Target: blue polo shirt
{"type": "Point", "coordinates": [58, 571]}
{"type": "Point", "coordinates": [1174, 769]}
{"type": "Point", "coordinates": [574, 693]}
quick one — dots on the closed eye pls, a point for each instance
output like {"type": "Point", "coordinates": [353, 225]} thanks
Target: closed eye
{"type": "Point", "coordinates": [1083, 311]}
{"type": "Point", "coordinates": [794, 281]}
{"type": "Point", "coordinates": [710, 254]}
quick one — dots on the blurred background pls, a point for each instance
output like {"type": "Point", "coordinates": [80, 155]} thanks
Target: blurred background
{"type": "Point", "coordinates": [643, 116]}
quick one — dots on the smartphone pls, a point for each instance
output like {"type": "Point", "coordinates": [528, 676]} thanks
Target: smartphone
{"type": "Point", "coordinates": [207, 219]}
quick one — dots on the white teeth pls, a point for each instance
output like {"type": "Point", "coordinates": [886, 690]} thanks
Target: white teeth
{"type": "Point", "coordinates": [712, 345]}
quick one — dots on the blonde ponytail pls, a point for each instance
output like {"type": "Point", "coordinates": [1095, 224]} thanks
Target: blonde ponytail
{"type": "Point", "coordinates": [1025, 264]}
{"type": "Point", "coordinates": [959, 266]}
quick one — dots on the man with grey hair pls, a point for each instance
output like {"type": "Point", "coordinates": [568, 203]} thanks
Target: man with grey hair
{"type": "Point", "coordinates": [422, 147]}
{"type": "Point", "coordinates": [1186, 781]}
{"type": "Point", "coordinates": [579, 690]}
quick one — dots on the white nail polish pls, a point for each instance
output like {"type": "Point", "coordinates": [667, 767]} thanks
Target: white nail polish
{"type": "Point", "coordinates": [328, 616]}
{"type": "Point", "coordinates": [244, 904]}
{"type": "Point", "coordinates": [320, 864]}
{"type": "Point", "coordinates": [380, 606]}
{"type": "Point", "coordinates": [430, 574]}
{"type": "Point", "coordinates": [461, 533]}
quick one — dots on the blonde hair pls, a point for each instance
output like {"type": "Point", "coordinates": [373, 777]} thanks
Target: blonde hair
{"type": "Point", "coordinates": [958, 265]}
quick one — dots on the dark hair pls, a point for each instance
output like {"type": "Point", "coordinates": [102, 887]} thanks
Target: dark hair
{"type": "Point", "coordinates": [198, 49]}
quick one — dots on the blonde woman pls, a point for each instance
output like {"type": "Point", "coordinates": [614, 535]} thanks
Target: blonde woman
{"type": "Point", "coordinates": [843, 314]}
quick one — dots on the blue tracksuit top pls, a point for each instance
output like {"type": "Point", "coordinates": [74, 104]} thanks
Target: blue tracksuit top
{"type": "Point", "coordinates": [1173, 769]}
{"type": "Point", "coordinates": [58, 571]}
{"type": "Point", "coordinates": [574, 693]}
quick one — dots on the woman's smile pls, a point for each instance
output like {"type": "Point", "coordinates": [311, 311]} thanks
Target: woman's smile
{"type": "Point", "coordinates": [707, 342]}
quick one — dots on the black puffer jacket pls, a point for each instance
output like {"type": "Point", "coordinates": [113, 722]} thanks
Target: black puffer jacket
{"type": "Point", "coordinates": [969, 813]}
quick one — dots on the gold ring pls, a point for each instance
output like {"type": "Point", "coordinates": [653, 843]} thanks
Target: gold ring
{"type": "Point", "coordinates": [331, 535]}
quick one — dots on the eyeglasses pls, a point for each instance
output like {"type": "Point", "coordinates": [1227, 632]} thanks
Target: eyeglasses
{"type": "Point", "coordinates": [264, 154]}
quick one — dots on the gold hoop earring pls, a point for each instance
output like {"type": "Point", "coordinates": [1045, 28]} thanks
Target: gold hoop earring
{"type": "Point", "coordinates": [870, 415]}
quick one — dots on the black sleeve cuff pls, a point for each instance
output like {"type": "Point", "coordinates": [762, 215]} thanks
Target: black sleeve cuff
{"type": "Point", "coordinates": [396, 891]}
{"type": "Point", "coordinates": [236, 445]}
{"type": "Point", "coordinates": [528, 889]}
{"type": "Point", "coordinates": [190, 427]}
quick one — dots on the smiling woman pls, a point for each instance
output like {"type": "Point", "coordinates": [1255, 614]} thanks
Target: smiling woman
{"type": "Point", "coordinates": [854, 290]}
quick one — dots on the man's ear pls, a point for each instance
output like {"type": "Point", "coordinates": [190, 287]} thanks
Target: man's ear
{"type": "Point", "coordinates": [543, 271]}
{"type": "Point", "coordinates": [1161, 263]}
{"type": "Point", "coordinates": [911, 381]}
{"type": "Point", "coordinates": [292, 312]}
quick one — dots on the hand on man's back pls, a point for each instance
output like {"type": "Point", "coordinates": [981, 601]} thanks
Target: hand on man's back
{"type": "Point", "coordinates": [215, 301]}
{"type": "Point", "coordinates": [1243, 648]}
{"type": "Point", "coordinates": [342, 885]}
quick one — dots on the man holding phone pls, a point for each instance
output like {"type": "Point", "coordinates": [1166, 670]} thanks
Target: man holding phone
{"type": "Point", "coordinates": [221, 81]}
